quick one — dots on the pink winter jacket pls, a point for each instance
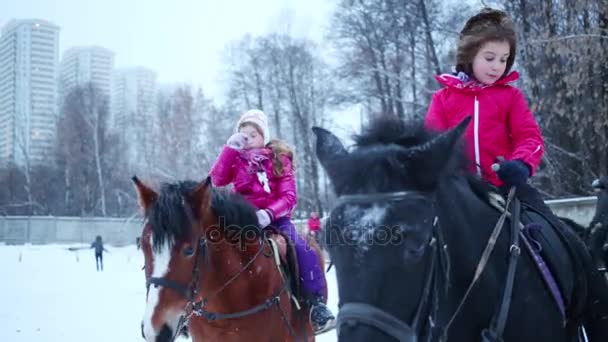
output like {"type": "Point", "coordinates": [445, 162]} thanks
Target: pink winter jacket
{"type": "Point", "coordinates": [502, 124]}
{"type": "Point", "coordinates": [241, 168]}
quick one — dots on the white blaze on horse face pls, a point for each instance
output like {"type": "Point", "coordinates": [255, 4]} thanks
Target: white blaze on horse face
{"type": "Point", "coordinates": [365, 223]}
{"type": "Point", "coordinates": [161, 267]}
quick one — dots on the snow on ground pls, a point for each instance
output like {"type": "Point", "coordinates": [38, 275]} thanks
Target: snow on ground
{"type": "Point", "coordinates": [49, 293]}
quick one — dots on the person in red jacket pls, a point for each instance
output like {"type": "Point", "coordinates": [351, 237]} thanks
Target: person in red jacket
{"type": "Point", "coordinates": [502, 124]}
{"type": "Point", "coordinates": [262, 171]}
{"type": "Point", "coordinates": [314, 225]}
{"type": "Point", "coordinates": [503, 129]}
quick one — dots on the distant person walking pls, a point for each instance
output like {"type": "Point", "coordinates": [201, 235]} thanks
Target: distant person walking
{"type": "Point", "coordinates": [99, 249]}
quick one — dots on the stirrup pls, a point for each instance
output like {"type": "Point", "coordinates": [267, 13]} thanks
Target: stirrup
{"type": "Point", "coordinates": [329, 325]}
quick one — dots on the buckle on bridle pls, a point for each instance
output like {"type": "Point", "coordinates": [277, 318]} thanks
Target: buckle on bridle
{"type": "Point", "coordinates": [514, 250]}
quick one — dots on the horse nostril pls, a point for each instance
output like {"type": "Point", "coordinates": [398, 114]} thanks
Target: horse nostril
{"type": "Point", "coordinates": [142, 331]}
{"type": "Point", "coordinates": [165, 335]}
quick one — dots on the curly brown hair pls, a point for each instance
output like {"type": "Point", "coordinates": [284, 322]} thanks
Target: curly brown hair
{"type": "Point", "coordinates": [279, 149]}
{"type": "Point", "coordinates": [486, 26]}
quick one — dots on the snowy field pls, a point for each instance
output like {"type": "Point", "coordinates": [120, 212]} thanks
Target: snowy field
{"type": "Point", "coordinates": [49, 293]}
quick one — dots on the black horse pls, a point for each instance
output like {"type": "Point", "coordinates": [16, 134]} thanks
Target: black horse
{"type": "Point", "coordinates": [406, 236]}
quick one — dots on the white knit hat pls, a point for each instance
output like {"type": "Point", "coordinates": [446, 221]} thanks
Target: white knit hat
{"type": "Point", "coordinates": [257, 117]}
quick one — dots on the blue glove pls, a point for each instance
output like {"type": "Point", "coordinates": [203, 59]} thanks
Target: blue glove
{"type": "Point", "coordinates": [513, 172]}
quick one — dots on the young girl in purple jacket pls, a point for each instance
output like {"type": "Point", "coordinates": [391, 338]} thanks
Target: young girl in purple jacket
{"type": "Point", "coordinates": [262, 171]}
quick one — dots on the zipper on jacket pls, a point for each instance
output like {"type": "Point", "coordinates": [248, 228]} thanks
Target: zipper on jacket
{"type": "Point", "coordinates": [476, 137]}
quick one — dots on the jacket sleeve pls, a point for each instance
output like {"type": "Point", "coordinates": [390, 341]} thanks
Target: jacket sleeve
{"type": "Point", "coordinates": [435, 117]}
{"type": "Point", "coordinates": [285, 198]}
{"type": "Point", "coordinates": [222, 171]}
{"type": "Point", "coordinates": [528, 144]}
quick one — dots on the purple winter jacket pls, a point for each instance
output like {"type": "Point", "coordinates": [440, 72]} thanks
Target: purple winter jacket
{"type": "Point", "coordinates": [241, 167]}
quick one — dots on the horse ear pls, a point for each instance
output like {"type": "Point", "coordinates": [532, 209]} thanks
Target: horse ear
{"type": "Point", "coordinates": [145, 195]}
{"type": "Point", "coordinates": [433, 157]}
{"type": "Point", "coordinates": [201, 197]}
{"type": "Point", "coordinates": [329, 149]}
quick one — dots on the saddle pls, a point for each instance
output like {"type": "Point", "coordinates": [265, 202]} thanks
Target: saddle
{"type": "Point", "coordinates": [284, 252]}
{"type": "Point", "coordinates": [552, 246]}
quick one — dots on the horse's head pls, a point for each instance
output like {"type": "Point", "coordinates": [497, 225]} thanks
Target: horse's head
{"type": "Point", "coordinates": [381, 234]}
{"type": "Point", "coordinates": [190, 228]}
{"type": "Point", "coordinates": [173, 244]}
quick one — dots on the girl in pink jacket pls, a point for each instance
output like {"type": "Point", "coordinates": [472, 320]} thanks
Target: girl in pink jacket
{"type": "Point", "coordinates": [262, 171]}
{"type": "Point", "coordinates": [502, 125]}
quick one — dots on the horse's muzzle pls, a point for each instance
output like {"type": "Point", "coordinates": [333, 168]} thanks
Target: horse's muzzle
{"type": "Point", "coordinates": [165, 335]}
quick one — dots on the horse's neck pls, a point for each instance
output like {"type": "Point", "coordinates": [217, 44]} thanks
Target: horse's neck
{"type": "Point", "coordinates": [236, 270]}
{"type": "Point", "coordinates": [466, 222]}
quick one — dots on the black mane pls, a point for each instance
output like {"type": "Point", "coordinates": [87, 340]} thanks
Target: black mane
{"type": "Point", "coordinates": [379, 161]}
{"type": "Point", "coordinates": [387, 129]}
{"type": "Point", "coordinates": [172, 215]}
{"type": "Point", "coordinates": [236, 214]}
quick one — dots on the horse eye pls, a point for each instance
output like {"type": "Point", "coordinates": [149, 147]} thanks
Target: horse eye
{"type": "Point", "coordinates": [188, 251]}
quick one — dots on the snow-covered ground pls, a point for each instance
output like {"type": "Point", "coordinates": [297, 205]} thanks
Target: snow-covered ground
{"type": "Point", "coordinates": [48, 293]}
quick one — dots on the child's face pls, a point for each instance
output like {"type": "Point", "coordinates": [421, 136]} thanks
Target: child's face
{"type": "Point", "coordinates": [491, 61]}
{"type": "Point", "coordinates": [253, 138]}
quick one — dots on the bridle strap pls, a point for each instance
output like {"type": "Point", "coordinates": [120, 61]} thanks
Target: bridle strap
{"type": "Point", "coordinates": [485, 257]}
{"type": "Point", "coordinates": [188, 291]}
{"type": "Point", "coordinates": [170, 284]}
{"type": "Point", "coordinates": [352, 313]}
{"type": "Point", "coordinates": [356, 312]}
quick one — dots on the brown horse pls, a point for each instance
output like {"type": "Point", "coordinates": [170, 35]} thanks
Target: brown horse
{"type": "Point", "coordinates": [209, 267]}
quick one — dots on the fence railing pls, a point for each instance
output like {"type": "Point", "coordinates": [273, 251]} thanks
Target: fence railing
{"type": "Point", "coordinates": [54, 229]}
{"type": "Point", "coordinates": [124, 231]}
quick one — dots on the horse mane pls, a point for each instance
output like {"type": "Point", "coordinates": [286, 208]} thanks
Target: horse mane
{"type": "Point", "coordinates": [235, 211]}
{"type": "Point", "coordinates": [389, 129]}
{"type": "Point", "coordinates": [378, 153]}
{"type": "Point", "coordinates": [172, 215]}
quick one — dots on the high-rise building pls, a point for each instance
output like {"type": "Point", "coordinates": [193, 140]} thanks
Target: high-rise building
{"type": "Point", "coordinates": [133, 95]}
{"type": "Point", "coordinates": [29, 54]}
{"type": "Point", "coordinates": [133, 111]}
{"type": "Point", "coordinates": [83, 64]}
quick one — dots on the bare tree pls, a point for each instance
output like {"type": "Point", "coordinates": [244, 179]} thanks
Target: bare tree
{"type": "Point", "coordinates": [564, 46]}
{"type": "Point", "coordinates": [24, 134]}
{"type": "Point", "coordinates": [82, 144]}
{"type": "Point", "coordinates": [286, 76]}
{"type": "Point", "coordinates": [95, 112]}
{"type": "Point", "coordinates": [382, 44]}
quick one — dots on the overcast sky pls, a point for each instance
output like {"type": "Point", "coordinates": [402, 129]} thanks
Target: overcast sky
{"type": "Point", "coordinates": [182, 40]}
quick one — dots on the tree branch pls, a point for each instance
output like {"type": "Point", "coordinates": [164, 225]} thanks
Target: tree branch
{"type": "Point", "coordinates": [568, 37]}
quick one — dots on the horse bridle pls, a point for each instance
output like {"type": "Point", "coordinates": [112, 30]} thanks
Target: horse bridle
{"type": "Point", "coordinates": [353, 313]}
{"type": "Point", "coordinates": [198, 307]}
{"type": "Point", "coordinates": [188, 291]}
